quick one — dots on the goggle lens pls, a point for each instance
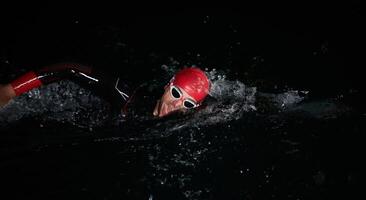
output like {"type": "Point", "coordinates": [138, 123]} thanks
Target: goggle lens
{"type": "Point", "coordinates": [188, 104]}
{"type": "Point", "coordinates": [177, 94]}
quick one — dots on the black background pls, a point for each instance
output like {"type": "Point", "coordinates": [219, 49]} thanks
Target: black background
{"type": "Point", "coordinates": [313, 46]}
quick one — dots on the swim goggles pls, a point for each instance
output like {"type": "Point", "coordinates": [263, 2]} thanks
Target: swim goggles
{"type": "Point", "coordinates": [176, 93]}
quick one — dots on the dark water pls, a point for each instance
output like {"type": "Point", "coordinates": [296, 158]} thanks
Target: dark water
{"type": "Point", "coordinates": [284, 119]}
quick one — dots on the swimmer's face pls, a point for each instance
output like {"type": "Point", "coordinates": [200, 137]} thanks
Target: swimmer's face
{"type": "Point", "coordinates": [173, 100]}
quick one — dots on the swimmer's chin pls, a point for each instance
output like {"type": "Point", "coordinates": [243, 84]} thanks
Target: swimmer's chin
{"type": "Point", "coordinates": [160, 110]}
{"type": "Point", "coordinates": [156, 109]}
{"type": "Point", "coordinates": [160, 113]}
{"type": "Point", "coordinates": [170, 115]}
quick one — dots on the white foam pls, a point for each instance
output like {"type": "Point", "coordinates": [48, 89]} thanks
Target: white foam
{"type": "Point", "coordinates": [63, 102]}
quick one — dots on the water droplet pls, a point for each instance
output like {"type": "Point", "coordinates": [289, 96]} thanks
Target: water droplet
{"type": "Point", "coordinates": [206, 19]}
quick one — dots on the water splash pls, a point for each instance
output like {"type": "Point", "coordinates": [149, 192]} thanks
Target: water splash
{"type": "Point", "coordinates": [64, 102]}
{"type": "Point", "coordinates": [67, 102]}
{"type": "Point", "coordinates": [173, 165]}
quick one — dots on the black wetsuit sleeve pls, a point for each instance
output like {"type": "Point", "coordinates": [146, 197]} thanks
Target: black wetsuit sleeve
{"type": "Point", "coordinates": [112, 89]}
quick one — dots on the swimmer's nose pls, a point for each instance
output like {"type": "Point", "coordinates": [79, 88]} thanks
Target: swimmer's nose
{"type": "Point", "coordinates": [177, 103]}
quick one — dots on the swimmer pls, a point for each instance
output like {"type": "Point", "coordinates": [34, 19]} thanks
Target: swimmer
{"type": "Point", "coordinates": [186, 90]}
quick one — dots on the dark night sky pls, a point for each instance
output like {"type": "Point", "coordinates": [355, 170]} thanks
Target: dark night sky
{"type": "Point", "coordinates": [286, 35]}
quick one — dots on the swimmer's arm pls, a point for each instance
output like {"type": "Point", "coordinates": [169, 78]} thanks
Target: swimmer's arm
{"type": "Point", "coordinates": [34, 79]}
{"type": "Point", "coordinates": [85, 76]}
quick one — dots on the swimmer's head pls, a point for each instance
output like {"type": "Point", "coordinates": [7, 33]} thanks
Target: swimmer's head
{"type": "Point", "coordinates": [186, 90]}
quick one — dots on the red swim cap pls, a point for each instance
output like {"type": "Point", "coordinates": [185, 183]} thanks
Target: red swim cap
{"type": "Point", "coordinates": [193, 81]}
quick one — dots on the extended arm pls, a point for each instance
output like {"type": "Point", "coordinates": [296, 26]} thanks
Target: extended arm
{"type": "Point", "coordinates": [111, 88]}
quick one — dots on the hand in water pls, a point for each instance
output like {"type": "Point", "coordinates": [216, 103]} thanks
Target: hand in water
{"type": "Point", "coordinates": [6, 94]}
